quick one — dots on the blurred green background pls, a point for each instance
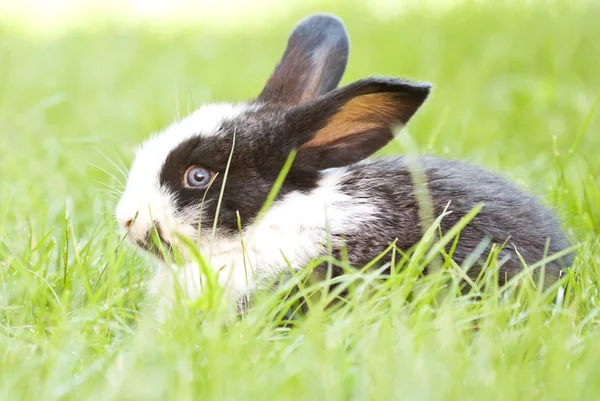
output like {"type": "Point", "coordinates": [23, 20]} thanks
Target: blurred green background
{"type": "Point", "coordinates": [509, 78]}
{"type": "Point", "coordinates": [82, 84]}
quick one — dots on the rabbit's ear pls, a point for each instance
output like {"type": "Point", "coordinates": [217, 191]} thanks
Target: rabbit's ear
{"type": "Point", "coordinates": [313, 63]}
{"type": "Point", "coordinates": [353, 122]}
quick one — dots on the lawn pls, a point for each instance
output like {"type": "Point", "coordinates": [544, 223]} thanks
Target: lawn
{"type": "Point", "coordinates": [516, 87]}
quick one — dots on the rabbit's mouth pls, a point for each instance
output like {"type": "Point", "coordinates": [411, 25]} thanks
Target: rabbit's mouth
{"type": "Point", "coordinates": [156, 244]}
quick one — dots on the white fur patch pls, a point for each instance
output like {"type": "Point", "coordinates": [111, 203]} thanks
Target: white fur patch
{"type": "Point", "coordinates": [143, 195]}
{"type": "Point", "coordinates": [296, 226]}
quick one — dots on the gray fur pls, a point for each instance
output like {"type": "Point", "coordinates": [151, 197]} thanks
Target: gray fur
{"type": "Point", "coordinates": [508, 212]}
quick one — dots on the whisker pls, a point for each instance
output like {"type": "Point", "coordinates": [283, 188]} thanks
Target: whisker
{"type": "Point", "coordinates": [114, 198]}
{"type": "Point", "coordinates": [109, 186]}
{"type": "Point", "coordinates": [122, 169]}
{"type": "Point", "coordinates": [109, 193]}
{"type": "Point", "coordinates": [115, 195]}
{"type": "Point", "coordinates": [110, 174]}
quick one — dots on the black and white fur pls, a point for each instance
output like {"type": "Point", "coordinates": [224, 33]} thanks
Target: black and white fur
{"type": "Point", "coordinates": [364, 204]}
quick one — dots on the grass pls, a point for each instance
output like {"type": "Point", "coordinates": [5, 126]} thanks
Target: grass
{"type": "Point", "coordinates": [516, 84]}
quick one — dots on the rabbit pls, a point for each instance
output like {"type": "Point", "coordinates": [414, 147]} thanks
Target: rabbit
{"type": "Point", "coordinates": [228, 156]}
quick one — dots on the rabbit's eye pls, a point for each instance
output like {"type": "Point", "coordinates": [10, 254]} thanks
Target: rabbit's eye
{"type": "Point", "coordinates": [197, 177]}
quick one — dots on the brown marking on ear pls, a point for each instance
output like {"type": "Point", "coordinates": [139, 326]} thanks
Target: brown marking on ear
{"type": "Point", "coordinates": [361, 114]}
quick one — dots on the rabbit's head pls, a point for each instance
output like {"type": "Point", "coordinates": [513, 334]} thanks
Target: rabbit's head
{"type": "Point", "coordinates": [221, 161]}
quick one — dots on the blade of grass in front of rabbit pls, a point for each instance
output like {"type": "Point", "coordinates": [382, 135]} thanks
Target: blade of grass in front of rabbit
{"type": "Point", "coordinates": [530, 268]}
{"type": "Point", "coordinates": [368, 284]}
{"type": "Point", "coordinates": [121, 241]}
{"type": "Point", "coordinates": [135, 217]}
{"type": "Point", "coordinates": [298, 280]}
{"type": "Point", "coordinates": [453, 232]}
{"type": "Point", "coordinates": [368, 277]}
{"type": "Point", "coordinates": [206, 271]}
{"type": "Point", "coordinates": [450, 253]}
{"type": "Point", "coordinates": [489, 274]}
{"type": "Point", "coordinates": [282, 308]}
{"type": "Point", "coordinates": [199, 228]}
{"type": "Point", "coordinates": [461, 275]}
{"type": "Point", "coordinates": [470, 260]}
{"type": "Point", "coordinates": [377, 258]}
{"type": "Point", "coordinates": [167, 258]}
{"type": "Point", "coordinates": [434, 249]}
{"type": "Point", "coordinates": [439, 247]}
{"type": "Point", "coordinates": [419, 254]}
{"type": "Point", "coordinates": [421, 193]}
{"type": "Point", "coordinates": [329, 271]}
{"type": "Point", "coordinates": [214, 228]}
{"type": "Point", "coordinates": [291, 290]}
{"type": "Point", "coordinates": [156, 240]}
{"type": "Point", "coordinates": [244, 252]}
{"type": "Point", "coordinates": [393, 261]}
{"type": "Point", "coordinates": [542, 277]}
{"type": "Point", "coordinates": [560, 295]}
{"type": "Point", "coordinates": [276, 185]}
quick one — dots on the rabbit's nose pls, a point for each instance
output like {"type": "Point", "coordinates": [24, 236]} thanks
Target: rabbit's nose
{"type": "Point", "coordinates": [137, 229]}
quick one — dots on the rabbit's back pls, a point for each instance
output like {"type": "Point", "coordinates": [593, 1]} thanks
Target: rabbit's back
{"type": "Point", "coordinates": [509, 215]}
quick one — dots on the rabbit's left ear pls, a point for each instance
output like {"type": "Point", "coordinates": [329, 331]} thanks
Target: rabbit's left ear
{"type": "Point", "coordinates": [313, 62]}
{"type": "Point", "coordinates": [353, 122]}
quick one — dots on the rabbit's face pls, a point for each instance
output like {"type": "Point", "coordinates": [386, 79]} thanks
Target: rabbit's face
{"type": "Point", "coordinates": [230, 151]}
{"type": "Point", "coordinates": [216, 167]}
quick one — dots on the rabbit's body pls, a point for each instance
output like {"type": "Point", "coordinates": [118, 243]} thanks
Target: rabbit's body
{"type": "Point", "coordinates": [215, 169]}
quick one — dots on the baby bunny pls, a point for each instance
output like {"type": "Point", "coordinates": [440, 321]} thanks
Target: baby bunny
{"type": "Point", "coordinates": [227, 157]}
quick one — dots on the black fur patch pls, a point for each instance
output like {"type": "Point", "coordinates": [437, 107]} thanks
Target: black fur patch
{"type": "Point", "coordinates": [260, 151]}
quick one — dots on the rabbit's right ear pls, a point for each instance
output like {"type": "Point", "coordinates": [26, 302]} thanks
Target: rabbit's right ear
{"type": "Point", "coordinates": [313, 63]}
{"type": "Point", "coordinates": [351, 123]}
